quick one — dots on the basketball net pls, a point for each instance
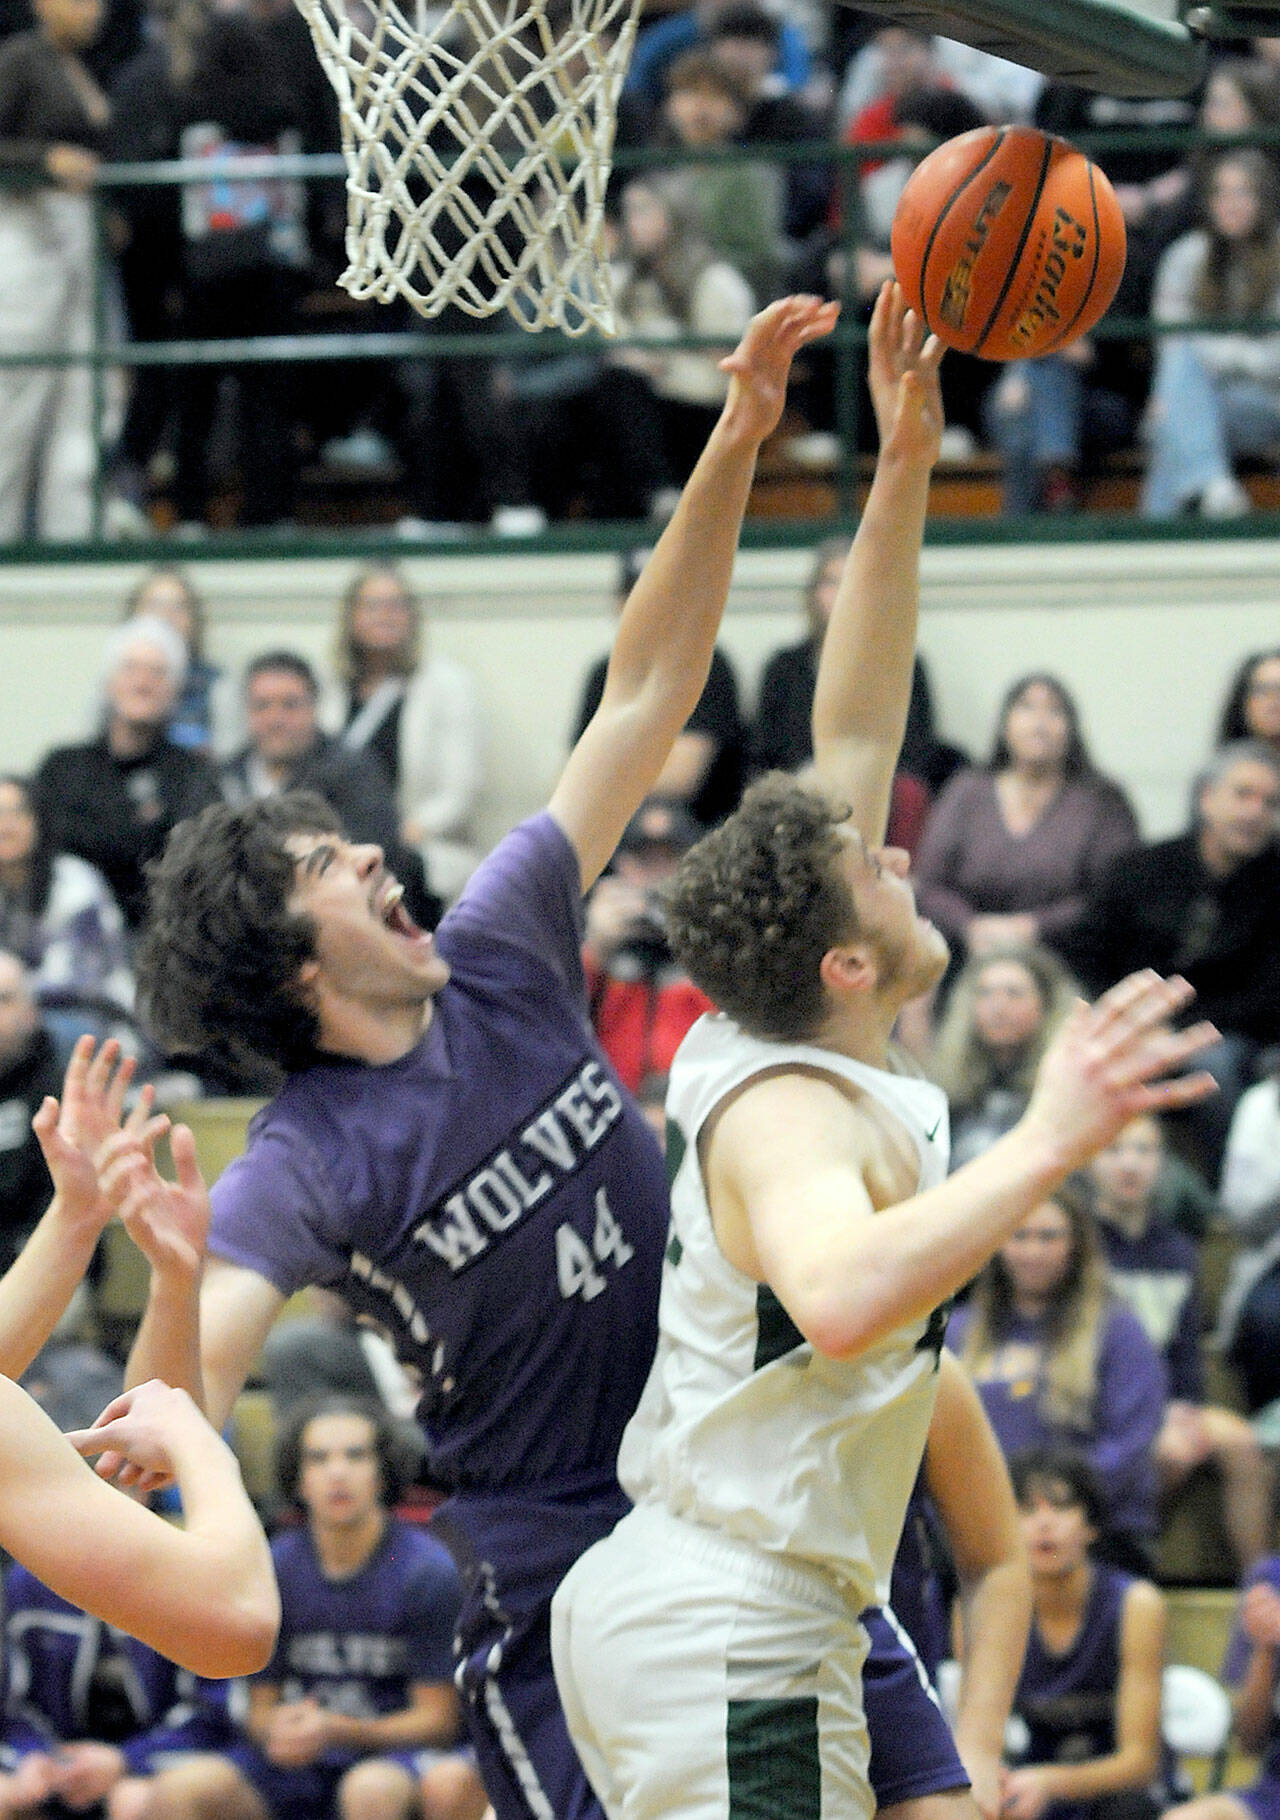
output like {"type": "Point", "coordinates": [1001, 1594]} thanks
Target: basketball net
{"type": "Point", "coordinates": [478, 142]}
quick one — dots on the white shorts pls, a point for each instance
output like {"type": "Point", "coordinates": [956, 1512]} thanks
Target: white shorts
{"type": "Point", "coordinates": [710, 1680]}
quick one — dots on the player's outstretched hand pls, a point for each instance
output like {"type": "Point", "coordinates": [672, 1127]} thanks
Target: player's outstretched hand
{"type": "Point", "coordinates": [1113, 1060]}
{"type": "Point", "coordinates": [760, 365]}
{"type": "Point", "coordinates": [72, 1130]}
{"type": "Point", "coordinates": [903, 377]}
{"type": "Point", "coordinates": [167, 1221]}
{"type": "Point", "coordinates": [138, 1430]}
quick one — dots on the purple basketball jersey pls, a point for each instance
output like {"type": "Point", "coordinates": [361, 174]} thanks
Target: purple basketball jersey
{"type": "Point", "coordinates": [493, 1198]}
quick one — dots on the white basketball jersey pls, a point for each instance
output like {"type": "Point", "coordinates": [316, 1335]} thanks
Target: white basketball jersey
{"type": "Point", "coordinates": [742, 1425]}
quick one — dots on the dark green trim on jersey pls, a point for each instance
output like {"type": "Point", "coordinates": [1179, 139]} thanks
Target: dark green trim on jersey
{"type": "Point", "coordinates": [675, 1251]}
{"type": "Point", "coordinates": [775, 1772]}
{"type": "Point", "coordinates": [776, 1333]}
{"type": "Point", "coordinates": [676, 1147]}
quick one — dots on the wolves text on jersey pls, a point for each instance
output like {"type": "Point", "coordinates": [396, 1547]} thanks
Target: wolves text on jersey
{"type": "Point", "coordinates": [523, 1171]}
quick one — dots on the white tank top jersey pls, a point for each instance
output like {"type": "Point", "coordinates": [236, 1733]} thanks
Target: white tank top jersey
{"type": "Point", "coordinates": [742, 1426]}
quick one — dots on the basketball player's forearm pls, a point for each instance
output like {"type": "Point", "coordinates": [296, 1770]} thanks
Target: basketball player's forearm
{"type": "Point", "coordinates": [1252, 1703]}
{"type": "Point", "coordinates": [864, 675]}
{"type": "Point", "coordinates": [906, 1261]}
{"type": "Point", "coordinates": [995, 1619]}
{"type": "Point", "coordinates": [667, 633]}
{"type": "Point", "coordinates": [167, 1343]}
{"type": "Point", "coordinates": [37, 1288]}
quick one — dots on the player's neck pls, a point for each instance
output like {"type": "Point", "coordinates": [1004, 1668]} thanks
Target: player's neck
{"type": "Point", "coordinates": [373, 1034]}
{"type": "Point", "coordinates": [344, 1549]}
{"type": "Point", "coordinates": [861, 1028]}
{"type": "Point", "coordinates": [1060, 1598]}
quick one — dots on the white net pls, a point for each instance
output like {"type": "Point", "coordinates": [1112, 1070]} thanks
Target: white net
{"type": "Point", "coordinates": [478, 141]}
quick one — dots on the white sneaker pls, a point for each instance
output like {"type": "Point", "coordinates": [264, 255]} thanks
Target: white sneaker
{"type": "Point", "coordinates": [432, 530]}
{"type": "Point", "coordinates": [518, 521]}
{"type": "Point", "coordinates": [957, 444]}
{"type": "Point", "coordinates": [1224, 497]}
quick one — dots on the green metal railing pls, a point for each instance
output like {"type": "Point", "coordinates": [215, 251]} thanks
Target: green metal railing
{"type": "Point", "coordinates": [847, 346]}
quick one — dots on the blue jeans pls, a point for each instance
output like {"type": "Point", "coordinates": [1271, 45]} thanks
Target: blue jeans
{"type": "Point", "coordinates": [1064, 412]}
{"type": "Point", "coordinates": [1198, 424]}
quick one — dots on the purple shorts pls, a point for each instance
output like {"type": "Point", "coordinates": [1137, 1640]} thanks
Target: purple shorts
{"type": "Point", "coordinates": [912, 1750]}
{"type": "Point", "coordinates": [1262, 1798]}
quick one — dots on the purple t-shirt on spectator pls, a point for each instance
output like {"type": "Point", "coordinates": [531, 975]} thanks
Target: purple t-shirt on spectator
{"type": "Point", "coordinates": [493, 1198]}
{"type": "Point", "coordinates": [360, 1645]}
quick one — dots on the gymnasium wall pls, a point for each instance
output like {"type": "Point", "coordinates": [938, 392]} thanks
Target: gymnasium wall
{"type": "Point", "coordinates": [1145, 634]}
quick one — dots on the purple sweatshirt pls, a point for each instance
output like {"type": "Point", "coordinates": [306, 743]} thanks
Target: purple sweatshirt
{"type": "Point", "coordinates": [1127, 1411]}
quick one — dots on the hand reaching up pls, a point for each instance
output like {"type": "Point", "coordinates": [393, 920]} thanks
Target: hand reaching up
{"type": "Point", "coordinates": [73, 1130]}
{"type": "Point", "coordinates": [167, 1221]}
{"type": "Point", "coordinates": [760, 365]}
{"type": "Point", "coordinates": [1113, 1060]}
{"type": "Point", "coordinates": [903, 377]}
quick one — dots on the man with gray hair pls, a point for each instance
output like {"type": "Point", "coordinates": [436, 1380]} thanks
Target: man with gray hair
{"type": "Point", "coordinates": [113, 800]}
{"type": "Point", "coordinates": [1205, 905]}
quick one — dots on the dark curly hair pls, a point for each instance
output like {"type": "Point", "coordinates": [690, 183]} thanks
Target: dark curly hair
{"type": "Point", "coordinates": [752, 909]}
{"type": "Point", "coordinates": [397, 1444]}
{"type": "Point", "coordinates": [219, 961]}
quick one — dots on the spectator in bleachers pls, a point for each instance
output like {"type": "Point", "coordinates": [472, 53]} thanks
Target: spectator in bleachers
{"type": "Point", "coordinates": [745, 40]}
{"type": "Point", "coordinates": [1156, 1270]}
{"type": "Point", "coordinates": [89, 1707]}
{"type": "Point", "coordinates": [627, 431]}
{"type": "Point", "coordinates": [53, 122]}
{"type": "Point", "coordinates": [738, 208]}
{"type": "Point", "coordinates": [1251, 1671]}
{"type": "Point", "coordinates": [244, 259]}
{"type": "Point", "coordinates": [704, 771]}
{"type": "Point", "coordinates": [1249, 1318]}
{"type": "Point", "coordinates": [1241, 92]}
{"type": "Point", "coordinates": [1252, 707]}
{"type": "Point", "coordinates": [289, 750]}
{"type": "Point", "coordinates": [782, 739]}
{"type": "Point", "coordinates": [113, 800]}
{"type": "Point", "coordinates": [29, 1073]}
{"type": "Point", "coordinates": [1012, 848]}
{"type": "Point", "coordinates": [1058, 1360]}
{"type": "Point", "coordinates": [1207, 905]}
{"type": "Point", "coordinates": [999, 1020]}
{"type": "Point", "coordinates": [642, 1002]}
{"type": "Point", "coordinates": [1000, 89]}
{"type": "Point", "coordinates": [1088, 1699]}
{"type": "Point", "coordinates": [1216, 392]}
{"type": "Point", "coordinates": [168, 593]}
{"type": "Point", "coordinates": [688, 28]}
{"type": "Point", "coordinates": [361, 1683]}
{"type": "Point", "coordinates": [416, 712]}
{"type": "Point", "coordinates": [58, 913]}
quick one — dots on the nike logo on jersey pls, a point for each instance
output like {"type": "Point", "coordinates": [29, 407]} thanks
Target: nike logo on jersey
{"type": "Point", "coordinates": [930, 1135]}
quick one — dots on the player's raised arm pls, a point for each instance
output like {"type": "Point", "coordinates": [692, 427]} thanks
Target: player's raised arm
{"type": "Point", "coordinates": [37, 1288]}
{"type": "Point", "coordinates": [666, 635]}
{"type": "Point", "coordinates": [864, 674]}
{"type": "Point", "coordinates": [790, 1158]}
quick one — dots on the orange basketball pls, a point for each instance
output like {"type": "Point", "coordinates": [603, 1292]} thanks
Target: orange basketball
{"type": "Point", "coordinates": [1010, 243]}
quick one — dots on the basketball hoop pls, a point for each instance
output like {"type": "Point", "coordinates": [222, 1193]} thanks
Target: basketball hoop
{"type": "Point", "coordinates": [478, 142]}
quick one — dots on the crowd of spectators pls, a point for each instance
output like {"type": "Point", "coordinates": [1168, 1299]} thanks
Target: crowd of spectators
{"type": "Point", "coordinates": [697, 241]}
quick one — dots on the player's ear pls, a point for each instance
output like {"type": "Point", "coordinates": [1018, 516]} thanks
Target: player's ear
{"type": "Point", "coordinates": [308, 974]}
{"type": "Point", "coordinates": [848, 969]}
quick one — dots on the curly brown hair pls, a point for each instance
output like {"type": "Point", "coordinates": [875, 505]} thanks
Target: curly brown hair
{"type": "Point", "coordinates": [752, 909]}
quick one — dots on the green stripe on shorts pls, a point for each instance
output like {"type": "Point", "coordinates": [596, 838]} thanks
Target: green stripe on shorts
{"type": "Point", "coordinates": [774, 1769]}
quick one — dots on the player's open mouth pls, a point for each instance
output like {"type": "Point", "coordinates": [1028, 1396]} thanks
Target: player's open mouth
{"type": "Point", "coordinates": [396, 918]}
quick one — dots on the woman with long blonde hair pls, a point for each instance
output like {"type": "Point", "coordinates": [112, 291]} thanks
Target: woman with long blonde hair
{"type": "Point", "coordinates": [1058, 1360]}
